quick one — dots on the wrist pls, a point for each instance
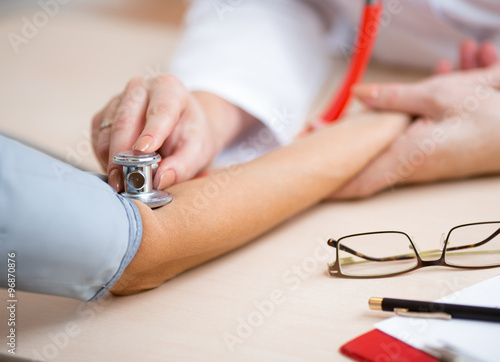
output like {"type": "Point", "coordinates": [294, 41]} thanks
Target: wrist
{"type": "Point", "coordinates": [227, 120]}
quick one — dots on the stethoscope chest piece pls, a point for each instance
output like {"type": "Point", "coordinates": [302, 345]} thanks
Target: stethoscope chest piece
{"type": "Point", "coordinates": [138, 176]}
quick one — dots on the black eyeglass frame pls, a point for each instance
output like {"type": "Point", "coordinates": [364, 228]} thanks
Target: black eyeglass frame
{"type": "Point", "coordinates": [334, 268]}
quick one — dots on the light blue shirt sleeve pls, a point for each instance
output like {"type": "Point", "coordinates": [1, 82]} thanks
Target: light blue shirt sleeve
{"type": "Point", "coordinates": [71, 233]}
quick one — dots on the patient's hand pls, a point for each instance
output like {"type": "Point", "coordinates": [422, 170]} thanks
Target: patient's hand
{"type": "Point", "coordinates": [455, 134]}
{"type": "Point", "coordinates": [187, 128]}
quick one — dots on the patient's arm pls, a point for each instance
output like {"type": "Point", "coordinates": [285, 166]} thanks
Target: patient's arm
{"type": "Point", "coordinates": [212, 215]}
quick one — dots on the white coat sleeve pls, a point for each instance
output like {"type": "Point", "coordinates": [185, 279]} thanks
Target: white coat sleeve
{"type": "Point", "coordinates": [264, 56]}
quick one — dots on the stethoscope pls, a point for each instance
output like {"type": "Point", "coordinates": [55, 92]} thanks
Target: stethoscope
{"type": "Point", "coordinates": [137, 167]}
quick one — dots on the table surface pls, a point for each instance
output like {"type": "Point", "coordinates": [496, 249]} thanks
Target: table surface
{"type": "Point", "coordinates": [271, 299]}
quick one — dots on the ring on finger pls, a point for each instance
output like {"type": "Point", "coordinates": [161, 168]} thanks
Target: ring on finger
{"type": "Point", "coordinates": [105, 124]}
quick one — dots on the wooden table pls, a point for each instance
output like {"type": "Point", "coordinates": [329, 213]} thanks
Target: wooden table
{"type": "Point", "coordinates": [269, 300]}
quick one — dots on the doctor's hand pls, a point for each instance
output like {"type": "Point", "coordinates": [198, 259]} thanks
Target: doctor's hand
{"type": "Point", "coordinates": [472, 55]}
{"type": "Point", "coordinates": [160, 115]}
{"type": "Point", "coordinates": [455, 133]}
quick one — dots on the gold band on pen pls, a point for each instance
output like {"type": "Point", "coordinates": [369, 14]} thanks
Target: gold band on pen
{"type": "Point", "coordinates": [375, 303]}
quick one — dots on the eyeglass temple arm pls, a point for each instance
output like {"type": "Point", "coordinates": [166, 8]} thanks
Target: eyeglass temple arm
{"type": "Point", "coordinates": [336, 244]}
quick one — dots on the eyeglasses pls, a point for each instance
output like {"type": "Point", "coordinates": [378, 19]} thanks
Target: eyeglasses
{"type": "Point", "coordinates": [382, 254]}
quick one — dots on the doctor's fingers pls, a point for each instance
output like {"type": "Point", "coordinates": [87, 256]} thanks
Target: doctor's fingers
{"type": "Point", "coordinates": [421, 98]}
{"type": "Point", "coordinates": [101, 130]}
{"type": "Point", "coordinates": [488, 54]}
{"type": "Point", "coordinates": [474, 55]}
{"type": "Point", "coordinates": [437, 97]}
{"type": "Point", "coordinates": [469, 54]}
{"type": "Point", "coordinates": [443, 66]}
{"type": "Point", "coordinates": [168, 99]}
{"type": "Point", "coordinates": [126, 126]}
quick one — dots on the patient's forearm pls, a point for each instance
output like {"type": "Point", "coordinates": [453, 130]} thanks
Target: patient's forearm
{"type": "Point", "coordinates": [212, 215]}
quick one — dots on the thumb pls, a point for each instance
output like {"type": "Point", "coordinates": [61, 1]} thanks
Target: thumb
{"type": "Point", "coordinates": [412, 98]}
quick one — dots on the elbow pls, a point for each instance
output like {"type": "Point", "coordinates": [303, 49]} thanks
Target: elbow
{"type": "Point", "coordinates": [135, 281]}
{"type": "Point", "coordinates": [130, 284]}
{"type": "Point", "coordinates": [122, 288]}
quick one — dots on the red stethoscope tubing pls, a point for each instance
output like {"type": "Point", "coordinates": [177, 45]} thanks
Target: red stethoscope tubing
{"type": "Point", "coordinates": [361, 56]}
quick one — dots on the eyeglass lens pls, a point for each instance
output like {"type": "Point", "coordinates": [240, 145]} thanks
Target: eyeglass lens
{"type": "Point", "coordinates": [474, 245]}
{"type": "Point", "coordinates": [376, 254]}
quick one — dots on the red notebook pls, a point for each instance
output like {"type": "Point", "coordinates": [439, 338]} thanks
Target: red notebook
{"type": "Point", "coordinates": [378, 346]}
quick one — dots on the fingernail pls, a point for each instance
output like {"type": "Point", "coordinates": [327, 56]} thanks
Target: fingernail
{"type": "Point", "coordinates": [165, 179]}
{"type": "Point", "coordinates": [366, 92]}
{"type": "Point", "coordinates": [143, 144]}
{"type": "Point", "coordinates": [115, 180]}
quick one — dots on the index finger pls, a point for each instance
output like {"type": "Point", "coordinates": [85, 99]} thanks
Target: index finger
{"type": "Point", "coordinates": [168, 99]}
{"type": "Point", "coordinates": [415, 98]}
{"type": "Point", "coordinates": [127, 123]}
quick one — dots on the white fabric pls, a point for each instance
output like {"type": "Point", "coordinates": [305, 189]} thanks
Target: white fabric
{"type": "Point", "coordinates": [251, 54]}
{"type": "Point", "coordinates": [270, 55]}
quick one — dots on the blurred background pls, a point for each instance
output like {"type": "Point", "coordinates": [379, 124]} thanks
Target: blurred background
{"type": "Point", "coordinates": [147, 10]}
{"type": "Point", "coordinates": [62, 60]}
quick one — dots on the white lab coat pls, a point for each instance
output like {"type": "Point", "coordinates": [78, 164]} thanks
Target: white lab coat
{"type": "Point", "coordinates": [270, 57]}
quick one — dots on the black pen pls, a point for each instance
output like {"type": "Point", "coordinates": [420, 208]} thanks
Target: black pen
{"type": "Point", "coordinates": [419, 309]}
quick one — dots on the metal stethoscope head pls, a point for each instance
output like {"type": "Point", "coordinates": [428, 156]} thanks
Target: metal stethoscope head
{"type": "Point", "coordinates": [138, 178]}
